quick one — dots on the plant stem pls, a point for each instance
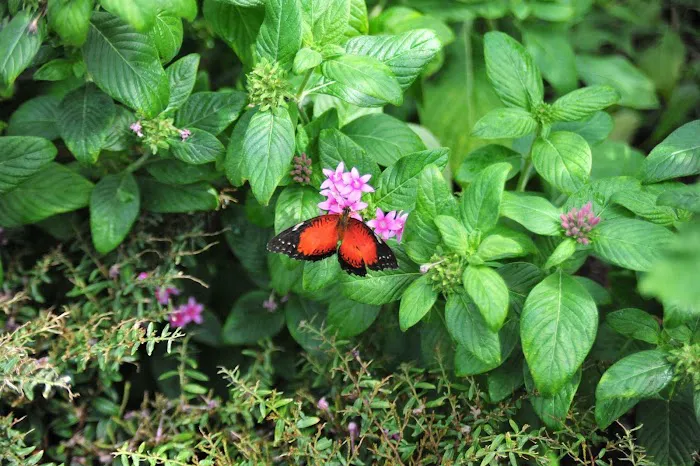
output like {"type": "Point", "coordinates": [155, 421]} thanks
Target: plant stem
{"type": "Point", "coordinates": [524, 175]}
{"type": "Point", "coordinates": [300, 92]}
{"type": "Point", "coordinates": [137, 164]}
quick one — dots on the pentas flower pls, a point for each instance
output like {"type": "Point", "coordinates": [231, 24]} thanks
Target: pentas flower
{"type": "Point", "coordinates": [184, 134]}
{"type": "Point", "coordinates": [301, 173]}
{"type": "Point", "coordinates": [577, 224]}
{"type": "Point", "coordinates": [163, 294]}
{"type": "Point", "coordinates": [270, 304]}
{"type": "Point", "coordinates": [354, 185]}
{"type": "Point", "coordinates": [142, 276]}
{"type": "Point", "coordinates": [387, 225]}
{"type": "Point", "coordinates": [343, 190]}
{"type": "Point", "coordinates": [186, 313]}
{"type": "Point", "coordinates": [137, 128]}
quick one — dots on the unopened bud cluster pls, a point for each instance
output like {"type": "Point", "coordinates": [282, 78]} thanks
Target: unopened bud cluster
{"type": "Point", "coordinates": [686, 361]}
{"type": "Point", "coordinates": [156, 133]}
{"type": "Point", "coordinates": [543, 113]}
{"type": "Point", "coordinates": [301, 169]}
{"type": "Point", "coordinates": [445, 272]}
{"type": "Point", "coordinates": [268, 86]}
{"type": "Point", "coordinates": [577, 224]}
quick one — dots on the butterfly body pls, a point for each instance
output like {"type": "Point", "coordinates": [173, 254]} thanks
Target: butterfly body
{"type": "Point", "coordinates": [320, 237]}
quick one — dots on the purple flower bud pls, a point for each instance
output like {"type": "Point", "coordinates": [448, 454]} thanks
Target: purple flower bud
{"type": "Point", "coordinates": [353, 429]}
{"type": "Point", "coordinates": [114, 271]}
{"type": "Point", "coordinates": [142, 276]}
{"type": "Point", "coordinates": [185, 134]}
{"type": "Point", "coordinates": [323, 404]}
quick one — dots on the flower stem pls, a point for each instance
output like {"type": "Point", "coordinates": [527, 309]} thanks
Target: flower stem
{"type": "Point", "coordinates": [300, 93]}
{"type": "Point", "coordinates": [137, 164]}
{"type": "Point", "coordinates": [524, 175]}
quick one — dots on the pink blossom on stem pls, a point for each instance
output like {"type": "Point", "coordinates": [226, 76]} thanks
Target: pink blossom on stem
{"type": "Point", "coordinates": [163, 294]}
{"type": "Point", "coordinates": [577, 224]}
{"type": "Point", "coordinates": [137, 128]}
{"type": "Point", "coordinates": [270, 304]}
{"type": "Point", "coordinates": [185, 134]}
{"type": "Point", "coordinates": [142, 276]}
{"type": "Point", "coordinates": [355, 185]}
{"type": "Point", "coordinates": [334, 178]}
{"type": "Point", "coordinates": [186, 313]}
{"type": "Point", "coordinates": [388, 225]}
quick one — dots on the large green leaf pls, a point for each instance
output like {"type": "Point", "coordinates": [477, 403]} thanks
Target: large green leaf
{"type": "Point", "coordinates": [557, 328]}
{"type": "Point", "coordinates": [398, 183]}
{"type": "Point", "coordinates": [168, 198]}
{"type": "Point", "coordinates": [615, 158]}
{"type": "Point", "coordinates": [201, 147]}
{"type": "Point", "coordinates": [36, 117]}
{"type": "Point", "coordinates": [84, 120]}
{"type": "Point", "coordinates": [583, 103]}
{"type": "Point", "coordinates": [358, 24]}
{"type": "Point", "coordinates": [489, 292]}
{"type": "Point", "coordinates": [416, 301]}
{"type": "Point", "coordinates": [482, 158]}
{"type": "Point", "coordinates": [114, 206]}
{"type": "Point", "coordinates": [120, 136]}
{"type": "Point", "coordinates": [171, 171]}
{"type": "Point", "coordinates": [280, 37]}
{"type": "Point", "coordinates": [348, 319]}
{"type": "Point", "coordinates": [324, 20]}
{"type": "Point", "coordinates": [125, 64]}
{"type": "Point", "coordinates": [210, 111]}
{"type": "Point", "coordinates": [248, 321]}
{"type": "Point", "coordinates": [405, 54]}
{"type": "Point", "coordinates": [669, 432]}
{"type": "Point", "coordinates": [515, 77]}
{"type": "Point", "coordinates": [502, 242]}
{"type": "Point", "coordinates": [563, 159]}
{"type": "Point", "coordinates": [21, 157]}
{"type": "Point", "coordinates": [167, 35]}
{"type": "Point", "coordinates": [138, 13]}
{"type": "Point", "coordinates": [18, 45]}
{"type": "Point", "coordinates": [335, 147]}
{"type": "Point", "coordinates": [181, 8]}
{"type": "Point", "coordinates": [553, 54]}
{"type": "Point", "coordinates": [453, 233]}
{"type": "Point", "coordinates": [234, 163]}
{"type": "Point", "coordinates": [685, 197]}
{"type": "Point", "coordinates": [379, 287]}
{"type": "Point", "coordinates": [181, 77]}
{"type": "Point", "coordinates": [506, 379]}
{"type": "Point", "coordinates": [301, 313]}
{"type": "Point", "coordinates": [295, 204]}
{"type": "Point", "coordinates": [52, 190]}
{"type": "Point", "coordinates": [321, 274]}
{"type": "Point", "coordinates": [385, 138]}
{"type": "Point", "coordinates": [361, 80]}
{"type": "Point", "coordinates": [469, 329]}
{"type": "Point", "coordinates": [248, 242]}
{"type": "Point", "coordinates": [677, 155]}
{"type": "Point", "coordinates": [639, 375]}
{"type": "Point", "coordinates": [630, 243]}
{"type": "Point", "coordinates": [635, 88]}
{"type": "Point", "coordinates": [70, 20]}
{"type": "Point", "coordinates": [481, 201]}
{"type": "Point", "coordinates": [503, 123]}
{"type": "Point", "coordinates": [553, 409]}
{"type": "Point", "coordinates": [533, 212]}
{"type": "Point", "coordinates": [268, 149]}
{"type": "Point", "coordinates": [237, 26]}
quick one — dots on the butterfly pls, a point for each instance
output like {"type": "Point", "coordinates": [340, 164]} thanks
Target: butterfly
{"type": "Point", "coordinates": [318, 238]}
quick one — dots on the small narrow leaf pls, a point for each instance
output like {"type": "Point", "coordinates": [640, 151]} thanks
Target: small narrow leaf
{"type": "Point", "coordinates": [505, 123]}
{"type": "Point", "coordinates": [362, 81]}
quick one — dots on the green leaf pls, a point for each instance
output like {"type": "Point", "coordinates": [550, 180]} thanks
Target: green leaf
{"type": "Point", "coordinates": [642, 202]}
{"type": "Point", "coordinates": [553, 54]}
{"type": "Point", "coordinates": [321, 274]}
{"type": "Point", "coordinates": [607, 410]}
{"type": "Point", "coordinates": [167, 198]}
{"type": "Point", "coordinates": [279, 38]}
{"type": "Point", "coordinates": [36, 117]}
{"type": "Point", "coordinates": [325, 20]}
{"type": "Point", "coordinates": [584, 102]}
{"type": "Point", "coordinates": [201, 147]}
{"type": "Point", "coordinates": [636, 89]}
{"type": "Point", "coordinates": [21, 157]}
{"type": "Point", "coordinates": [295, 205]}
{"type": "Point", "coordinates": [677, 155]}
{"type": "Point", "coordinates": [181, 77]}
{"type": "Point", "coordinates": [639, 375]}
{"type": "Point", "coordinates": [167, 35]}
{"type": "Point", "coordinates": [138, 13]}
{"type": "Point", "coordinates": [237, 26]}
{"type": "Point", "coordinates": [669, 431]}
{"type": "Point", "coordinates": [234, 163]}
{"type": "Point", "coordinates": [615, 158]}
{"type": "Point", "coordinates": [557, 328]}
{"type": "Point", "coordinates": [398, 183]}
{"type": "Point", "coordinates": [563, 159]}
{"type": "Point", "coordinates": [54, 70]}
{"type": "Point", "coordinates": [453, 233]}
{"type": "Point", "coordinates": [506, 379]}
{"type": "Point", "coordinates": [481, 200]}
{"type": "Point", "coordinates": [70, 20]}
{"type": "Point", "coordinates": [561, 253]}
{"type": "Point", "coordinates": [379, 287]}
{"type": "Point", "coordinates": [248, 243]}
{"type": "Point", "coordinates": [385, 138]}
{"type": "Point", "coordinates": [405, 54]}
{"type": "Point", "coordinates": [505, 123]}
{"type": "Point", "coordinates": [362, 81]}
{"type": "Point", "coordinates": [512, 72]}
{"type": "Point", "coordinates": [249, 322]}
{"type": "Point", "coordinates": [120, 136]}
{"type": "Point", "coordinates": [124, 63]}
{"type": "Point", "coordinates": [268, 149]}
{"type": "Point", "coordinates": [663, 62]}
{"type": "Point", "coordinates": [114, 207]}
{"type": "Point", "coordinates": [348, 319]}
{"type": "Point", "coordinates": [181, 8]}
{"type": "Point", "coordinates": [685, 197]}
{"type": "Point", "coordinates": [301, 313]}
{"type": "Point", "coordinates": [18, 45]}
{"type": "Point", "coordinates": [416, 301]}
{"type": "Point", "coordinates": [636, 324]}
{"type": "Point", "coordinates": [433, 198]}
{"type": "Point", "coordinates": [335, 147]}
{"type": "Point", "coordinates": [630, 243]}
{"type": "Point", "coordinates": [306, 59]}
{"type": "Point", "coordinates": [84, 120]}
{"type": "Point", "coordinates": [489, 292]}
{"type": "Point", "coordinates": [533, 212]}
{"type": "Point", "coordinates": [593, 129]}
{"type": "Point", "coordinates": [553, 410]}
{"type": "Point", "coordinates": [358, 23]}
{"type": "Point", "coordinates": [484, 156]}
{"type": "Point", "coordinates": [171, 171]}
{"type": "Point", "coordinates": [52, 190]}
{"type": "Point", "coordinates": [211, 111]}
{"type": "Point", "coordinates": [469, 329]}
{"type": "Point", "coordinates": [503, 242]}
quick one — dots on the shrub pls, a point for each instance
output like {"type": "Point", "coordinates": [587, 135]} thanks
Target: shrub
{"type": "Point", "coordinates": [531, 165]}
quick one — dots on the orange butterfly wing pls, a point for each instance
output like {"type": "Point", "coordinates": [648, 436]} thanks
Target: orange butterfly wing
{"type": "Point", "coordinates": [313, 240]}
{"type": "Point", "coordinates": [360, 247]}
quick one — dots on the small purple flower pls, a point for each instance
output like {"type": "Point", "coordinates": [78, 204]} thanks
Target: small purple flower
{"type": "Point", "coordinates": [388, 225]}
{"type": "Point", "coordinates": [186, 313]}
{"type": "Point", "coordinates": [334, 178]}
{"type": "Point", "coordinates": [33, 26]}
{"type": "Point", "coordinates": [142, 276]}
{"type": "Point", "coordinates": [185, 134]}
{"type": "Point", "coordinates": [399, 224]}
{"type": "Point", "coordinates": [163, 294]}
{"type": "Point", "coordinates": [577, 224]}
{"type": "Point", "coordinates": [114, 271]}
{"type": "Point", "coordinates": [301, 172]}
{"type": "Point", "coordinates": [354, 431]}
{"type": "Point", "coordinates": [323, 404]}
{"type": "Point", "coordinates": [355, 185]}
{"type": "Point", "coordinates": [270, 304]}
{"type": "Point", "coordinates": [137, 128]}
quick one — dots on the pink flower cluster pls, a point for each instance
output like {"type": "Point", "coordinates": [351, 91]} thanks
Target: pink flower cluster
{"type": "Point", "coordinates": [184, 134]}
{"type": "Point", "coordinates": [163, 294]}
{"type": "Point", "coordinates": [578, 223]}
{"type": "Point", "coordinates": [186, 313]}
{"type": "Point", "coordinates": [388, 225]}
{"type": "Point", "coordinates": [137, 128]}
{"type": "Point", "coordinates": [301, 172]}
